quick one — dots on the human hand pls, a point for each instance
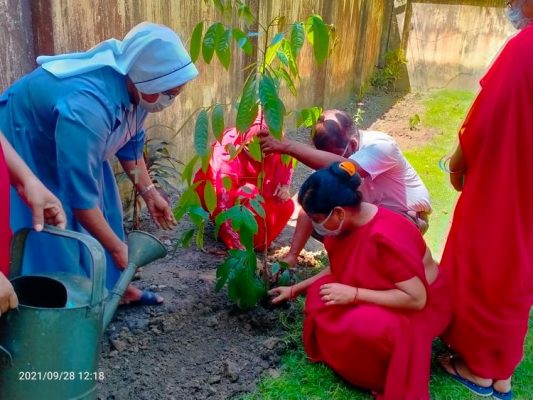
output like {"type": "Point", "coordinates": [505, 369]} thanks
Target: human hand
{"type": "Point", "coordinates": [282, 192]}
{"type": "Point", "coordinates": [8, 297]}
{"type": "Point", "coordinates": [159, 209]}
{"type": "Point", "coordinates": [291, 259]}
{"type": "Point", "coordinates": [337, 294]}
{"type": "Point", "coordinates": [119, 254]}
{"type": "Point", "coordinates": [282, 293]}
{"type": "Point", "coordinates": [457, 179]}
{"type": "Point", "coordinates": [269, 144]}
{"type": "Point", "coordinates": [45, 207]}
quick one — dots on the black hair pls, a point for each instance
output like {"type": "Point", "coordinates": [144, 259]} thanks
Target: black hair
{"type": "Point", "coordinates": [330, 187]}
{"type": "Point", "coordinates": [334, 127]}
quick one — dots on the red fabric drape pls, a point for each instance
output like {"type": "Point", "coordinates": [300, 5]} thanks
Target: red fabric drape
{"type": "Point", "coordinates": [489, 252]}
{"type": "Point", "coordinates": [5, 231]}
{"type": "Point", "coordinates": [244, 171]}
{"type": "Point", "coordinates": [379, 348]}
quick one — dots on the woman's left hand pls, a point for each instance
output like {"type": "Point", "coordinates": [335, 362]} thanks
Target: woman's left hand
{"type": "Point", "coordinates": [337, 294]}
{"type": "Point", "coordinates": [159, 209]}
{"type": "Point", "coordinates": [45, 207]}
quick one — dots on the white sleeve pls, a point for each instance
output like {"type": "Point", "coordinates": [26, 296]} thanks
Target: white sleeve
{"type": "Point", "coordinates": [377, 158]}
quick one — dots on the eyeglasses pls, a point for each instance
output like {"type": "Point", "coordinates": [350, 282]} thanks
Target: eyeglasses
{"type": "Point", "coordinates": [173, 92]}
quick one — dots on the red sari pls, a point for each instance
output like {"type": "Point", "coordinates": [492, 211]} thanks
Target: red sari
{"type": "Point", "coordinates": [489, 252]}
{"type": "Point", "coordinates": [379, 348]}
{"type": "Point", "coordinates": [5, 231]}
{"type": "Point", "coordinates": [243, 171]}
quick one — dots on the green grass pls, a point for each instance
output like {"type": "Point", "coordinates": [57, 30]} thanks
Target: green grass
{"type": "Point", "coordinates": [300, 379]}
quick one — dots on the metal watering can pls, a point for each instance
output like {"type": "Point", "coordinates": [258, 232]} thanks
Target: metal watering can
{"type": "Point", "coordinates": [49, 346]}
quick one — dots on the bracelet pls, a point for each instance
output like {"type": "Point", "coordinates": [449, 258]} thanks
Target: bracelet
{"type": "Point", "coordinates": [147, 189]}
{"type": "Point", "coordinates": [291, 294]}
{"type": "Point", "coordinates": [354, 301]}
{"type": "Point", "coordinates": [444, 165]}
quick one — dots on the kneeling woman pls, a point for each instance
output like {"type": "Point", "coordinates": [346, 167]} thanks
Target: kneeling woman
{"type": "Point", "coordinates": [373, 314]}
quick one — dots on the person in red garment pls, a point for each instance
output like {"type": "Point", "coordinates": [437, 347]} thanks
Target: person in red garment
{"type": "Point", "coordinates": [44, 205]}
{"type": "Point", "coordinates": [243, 172]}
{"type": "Point", "coordinates": [373, 313]}
{"type": "Point", "coordinates": [489, 251]}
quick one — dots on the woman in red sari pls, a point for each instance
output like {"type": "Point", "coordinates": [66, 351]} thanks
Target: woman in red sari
{"type": "Point", "coordinates": [373, 314]}
{"type": "Point", "coordinates": [489, 251]}
{"type": "Point", "coordinates": [44, 205]}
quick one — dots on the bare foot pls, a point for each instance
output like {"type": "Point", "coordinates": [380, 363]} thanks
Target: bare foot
{"type": "Point", "coordinates": [448, 362]}
{"type": "Point", "coordinates": [502, 385]}
{"type": "Point", "coordinates": [134, 294]}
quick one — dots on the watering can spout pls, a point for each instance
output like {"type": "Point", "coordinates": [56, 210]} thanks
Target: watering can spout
{"type": "Point", "coordinates": [143, 249]}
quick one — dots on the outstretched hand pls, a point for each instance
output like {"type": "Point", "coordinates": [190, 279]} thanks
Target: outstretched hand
{"type": "Point", "coordinates": [159, 210]}
{"type": "Point", "coordinates": [282, 293]}
{"type": "Point", "coordinates": [269, 144]}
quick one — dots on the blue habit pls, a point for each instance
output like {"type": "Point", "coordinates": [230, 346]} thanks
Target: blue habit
{"type": "Point", "coordinates": [67, 130]}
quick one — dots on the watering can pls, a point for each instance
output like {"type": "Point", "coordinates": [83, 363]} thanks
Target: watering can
{"type": "Point", "coordinates": [49, 346]}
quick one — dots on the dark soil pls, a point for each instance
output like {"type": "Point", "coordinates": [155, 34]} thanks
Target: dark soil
{"type": "Point", "coordinates": [197, 345]}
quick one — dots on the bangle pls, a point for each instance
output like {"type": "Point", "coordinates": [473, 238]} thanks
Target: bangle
{"type": "Point", "coordinates": [354, 301]}
{"type": "Point", "coordinates": [291, 294]}
{"type": "Point", "coordinates": [147, 189]}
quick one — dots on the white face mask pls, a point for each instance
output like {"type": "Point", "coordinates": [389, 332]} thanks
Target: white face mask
{"type": "Point", "coordinates": [323, 231]}
{"type": "Point", "coordinates": [162, 102]}
{"type": "Point", "coordinates": [517, 17]}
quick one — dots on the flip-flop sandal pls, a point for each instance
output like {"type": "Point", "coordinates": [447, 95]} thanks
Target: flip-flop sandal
{"type": "Point", "coordinates": [148, 298]}
{"type": "Point", "coordinates": [483, 391]}
{"type": "Point", "coordinates": [502, 395]}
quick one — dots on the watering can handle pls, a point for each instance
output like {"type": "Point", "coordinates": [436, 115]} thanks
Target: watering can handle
{"type": "Point", "coordinates": [95, 250]}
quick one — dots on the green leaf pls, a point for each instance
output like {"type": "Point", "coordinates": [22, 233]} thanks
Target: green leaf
{"type": "Point", "coordinates": [258, 208]}
{"type": "Point", "coordinates": [318, 36]}
{"type": "Point", "coordinates": [293, 67]}
{"type": "Point", "coordinates": [186, 238]}
{"type": "Point", "coordinates": [187, 199]}
{"type": "Point", "coordinates": [219, 5]}
{"type": "Point", "coordinates": [285, 278]}
{"type": "Point", "coordinates": [248, 220]}
{"type": "Point", "coordinates": [206, 159]}
{"type": "Point", "coordinates": [308, 116]}
{"type": "Point", "coordinates": [273, 108]}
{"type": "Point", "coordinates": [288, 81]}
{"type": "Point", "coordinates": [245, 14]}
{"type": "Point", "coordinates": [244, 288]}
{"type": "Point", "coordinates": [227, 182]}
{"type": "Point", "coordinates": [186, 174]}
{"type": "Point", "coordinates": [208, 44]}
{"type": "Point", "coordinates": [254, 149]}
{"type": "Point", "coordinates": [199, 238]}
{"type": "Point", "coordinates": [282, 57]}
{"type": "Point", "coordinates": [276, 267]}
{"type": "Point", "coordinates": [248, 106]}
{"type": "Point", "coordinates": [210, 197]}
{"type": "Point", "coordinates": [217, 121]}
{"type": "Point", "coordinates": [286, 159]}
{"type": "Point", "coordinates": [222, 46]}
{"type": "Point", "coordinates": [197, 214]}
{"type": "Point", "coordinates": [271, 52]}
{"type": "Point", "coordinates": [196, 41]}
{"type": "Point", "coordinates": [201, 133]}
{"type": "Point", "coordinates": [276, 39]}
{"type": "Point", "coordinates": [223, 272]}
{"type": "Point", "coordinates": [297, 38]}
{"type": "Point", "coordinates": [242, 41]}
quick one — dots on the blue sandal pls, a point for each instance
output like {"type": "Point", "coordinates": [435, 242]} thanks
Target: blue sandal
{"type": "Point", "coordinates": [483, 391]}
{"type": "Point", "coordinates": [147, 298]}
{"type": "Point", "coordinates": [502, 395]}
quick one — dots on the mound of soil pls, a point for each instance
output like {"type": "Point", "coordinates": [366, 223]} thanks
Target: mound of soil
{"type": "Point", "coordinates": [197, 345]}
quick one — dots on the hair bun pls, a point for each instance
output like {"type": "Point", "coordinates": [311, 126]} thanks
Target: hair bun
{"type": "Point", "coordinates": [348, 167]}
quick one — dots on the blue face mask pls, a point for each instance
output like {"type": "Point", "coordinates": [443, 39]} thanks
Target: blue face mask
{"type": "Point", "coordinates": [323, 231]}
{"type": "Point", "coordinates": [517, 17]}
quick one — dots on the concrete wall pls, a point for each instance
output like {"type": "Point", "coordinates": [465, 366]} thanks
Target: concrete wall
{"type": "Point", "coordinates": [451, 45]}
{"type": "Point", "coordinates": [74, 25]}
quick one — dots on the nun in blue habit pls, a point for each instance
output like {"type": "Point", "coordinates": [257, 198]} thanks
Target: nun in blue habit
{"type": "Point", "coordinates": [70, 117]}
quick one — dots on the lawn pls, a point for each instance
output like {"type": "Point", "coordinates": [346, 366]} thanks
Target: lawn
{"type": "Point", "coordinates": [300, 379]}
